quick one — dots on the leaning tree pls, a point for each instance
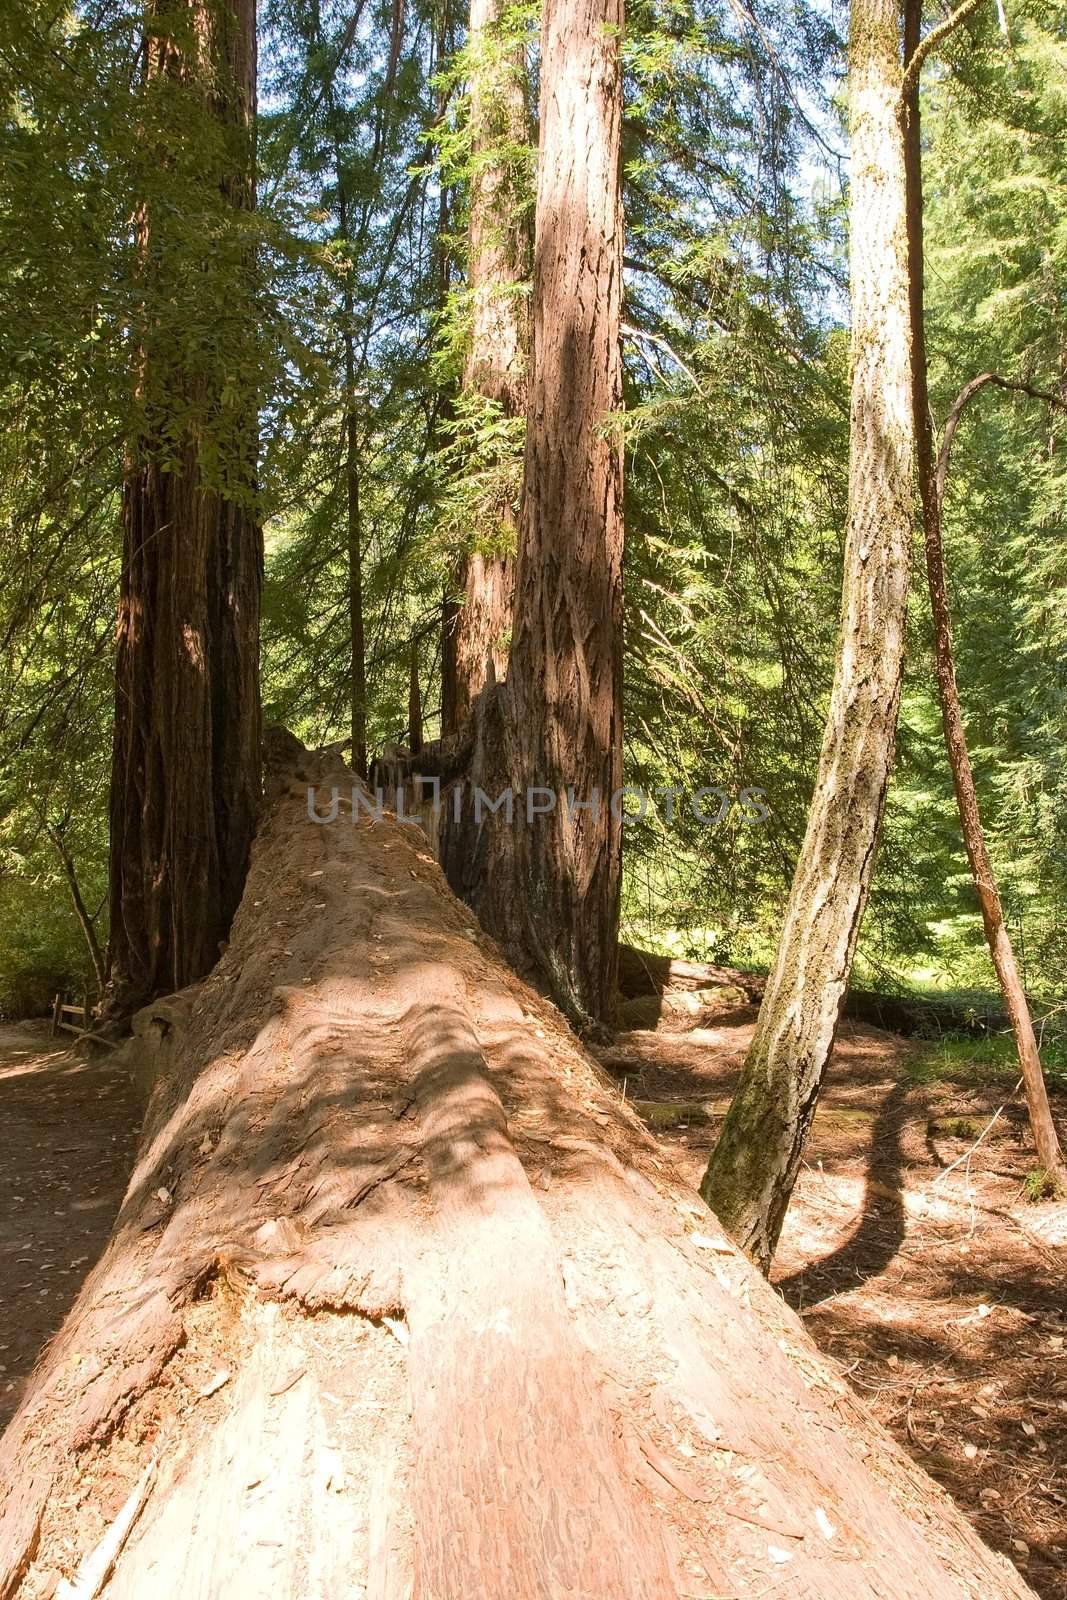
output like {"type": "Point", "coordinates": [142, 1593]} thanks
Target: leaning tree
{"type": "Point", "coordinates": [932, 471]}
{"type": "Point", "coordinates": [754, 1165]}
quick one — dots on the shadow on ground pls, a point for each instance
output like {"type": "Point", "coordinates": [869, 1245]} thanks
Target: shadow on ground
{"type": "Point", "coordinates": [940, 1291]}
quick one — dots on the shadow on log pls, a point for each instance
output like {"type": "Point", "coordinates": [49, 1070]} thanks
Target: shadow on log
{"type": "Point", "coordinates": [403, 1301]}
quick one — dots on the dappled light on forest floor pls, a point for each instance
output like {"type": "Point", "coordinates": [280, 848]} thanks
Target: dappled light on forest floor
{"type": "Point", "coordinates": [69, 1130]}
{"type": "Point", "coordinates": [940, 1292]}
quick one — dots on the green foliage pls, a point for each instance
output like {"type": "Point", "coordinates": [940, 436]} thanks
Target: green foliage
{"type": "Point", "coordinates": [340, 310]}
{"type": "Point", "coordinates": [1039, 1186]}
{"type": "Point", "coordinates": [995, 124]}
{"type": "Point", "coordinates": [42, 952]}
{"type": "Point", "coordinates": [348, 107]}
{"type": "Point", "coordinates": [990, 1059]}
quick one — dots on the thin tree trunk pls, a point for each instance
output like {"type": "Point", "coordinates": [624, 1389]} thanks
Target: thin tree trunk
{"type": "Point", "coordinates": [356, 636]}
{"type": "Point", "coordinates": [753, 1168]}
{"type": "Point", "coordinates": [185, 787]}
{"type": "Point", "coordinates": [414, 699]}
{"type": "Point", "coordinates": [931, 491]}
{"type": "Point", "coordinates": [85, 921]}
{"type": "Point", "coordinates": [548, 886]}
{"type": "Point", "coordinates": [478, 611]}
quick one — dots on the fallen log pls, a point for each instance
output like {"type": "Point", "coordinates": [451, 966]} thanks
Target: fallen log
{"type": "Point", "coordinates": [643, 975]}
{"type": "Point", "coordinates": [642, 972]}
{"type": "Point", "coordinates": [403, 1301]}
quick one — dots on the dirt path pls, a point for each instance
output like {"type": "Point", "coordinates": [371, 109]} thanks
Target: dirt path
{"type": "Point", "coordinates": [67, 1131]}
{"type": "Point", "coordinates": [942, 1293]}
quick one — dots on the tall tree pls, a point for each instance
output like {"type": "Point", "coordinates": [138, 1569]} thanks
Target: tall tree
{"type": "Point", "coordinates": [185, 783]}
{"type": "Point", "coordinates": [478, 613]}
{"type": "Point", "coordinates": [549, 885]}
{"type": "Point", "coordinates": [932, 468]}
{"type": "Point", "coordinates": [753, 1167]}
{"type": "Point", "coordinates": [357, 654]}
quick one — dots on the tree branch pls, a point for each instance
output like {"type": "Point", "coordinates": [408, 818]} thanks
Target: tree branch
{"type": "Point", "coordinates": [637, 334]}
{"type": "Point", "coordinates": [927, 46]}
{"type": "Point", "coordinates": [984, 380]}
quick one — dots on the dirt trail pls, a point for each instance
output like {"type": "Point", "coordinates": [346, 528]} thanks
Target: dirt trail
{"type": "Point", "coordinates": [942, 1293]}
{"type": "Point", "coordinates": [68, 1128]}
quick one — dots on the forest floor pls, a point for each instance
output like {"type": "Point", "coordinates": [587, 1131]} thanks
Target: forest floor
{"type": "Point", "coordinates": [939, 1291]}
{"type": "Point", "coordinates": [69, 1130]}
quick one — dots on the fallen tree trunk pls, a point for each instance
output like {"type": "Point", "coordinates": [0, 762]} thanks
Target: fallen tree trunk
{"type": "Point", "coordinates": [643, 973]}
{"type": "Point", "coordinates": [403, 1301]}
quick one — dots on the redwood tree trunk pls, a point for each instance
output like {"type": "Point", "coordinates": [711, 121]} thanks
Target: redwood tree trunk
{"type": "Point", "coordinates": [548, 886]}
{"type": "Point", "coordinates": [931, 491]}
{"type": "Point", "coordinates": [753, 1167]}
{"type": "Point", "coordinates": [403, 1299]}
{"type": "Point", "coordinates": [478, 615]}
{"type": "Point", "coordinates": [185, 781]}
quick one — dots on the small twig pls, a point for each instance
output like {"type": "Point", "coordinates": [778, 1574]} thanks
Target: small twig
{"type": "Point", "coordinates": [967, 1154]}
{"type": "Point", "coordinates": [99, 1563]}
{"type": "Point", "coordinates": [655, 338]}
{"type": "Point", "coordinates": [747, 19]}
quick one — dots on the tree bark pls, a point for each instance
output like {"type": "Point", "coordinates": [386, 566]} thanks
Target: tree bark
{"type": "Point", "coordinates": [478, 615]}
{"type": "Point", "coordinates": [185, 784]}
{"type": "Point", "coordinates": [932, 474]}
{"type": "Point", "coordinates": [474, 633]}
{"type": "Point", "coordinates": [414, 698]}
{"type": "Point", "coordinates": [402, 1299]}
{"type": "Point", "coordinates": [353, 520]}
{"type": "Point", "coordinates": [752, 1170]}
{"type": "Point", "coordinates": [548, 886]}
